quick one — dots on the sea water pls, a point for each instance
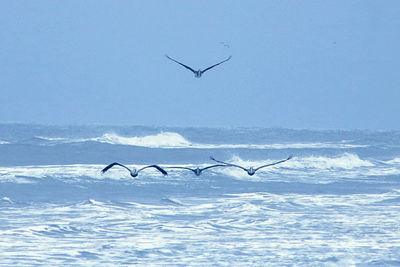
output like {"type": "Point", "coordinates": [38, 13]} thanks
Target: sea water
{"type": "Point", "coordinates": [335, 203]}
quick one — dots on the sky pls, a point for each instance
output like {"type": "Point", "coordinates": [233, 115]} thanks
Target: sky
{"type": "Point", "coordinates": [295, 64]}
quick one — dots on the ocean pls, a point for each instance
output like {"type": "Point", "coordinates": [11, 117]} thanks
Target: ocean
{"type": "Point", "coordinates": [335, 203]}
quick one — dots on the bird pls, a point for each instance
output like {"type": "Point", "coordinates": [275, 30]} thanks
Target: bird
{"type": "Point", "coordinates": [225, 44]}
{"type": "Point", "coordinates": [198, 73]}
{"type": "Point", "coordinates": [133, 171]}
{"type": "Point", "coordinates": [198, 170]}
{"type": "Point", "coordinates": [251, 171]}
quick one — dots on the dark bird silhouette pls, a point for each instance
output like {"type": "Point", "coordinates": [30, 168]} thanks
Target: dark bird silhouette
{"type": "Point", "coordinates": [198, 73]}
{"type": "Point", "coordinates": [251, 171]}
{"type": "Point", "coordinates": [225, 44]}
{"type": "Point", "coordinates": [133, 171]}
{"type": "Point", "coordinates": [198, 170]}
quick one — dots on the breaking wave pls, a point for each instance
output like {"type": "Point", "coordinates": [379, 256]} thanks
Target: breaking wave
{"type": "Point", "coordinates": [161, 140]}
{"type": "Point", "coordinates": [346, 161]}
{"type": "Point", "coordinates": [393, 161]}
{"type": "Point", "coordinates": [172, 140]}
{"type": "Point", "coordinates": [344, 165]}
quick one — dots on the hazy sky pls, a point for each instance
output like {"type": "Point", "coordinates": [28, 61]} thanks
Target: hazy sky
{"type": "Point", "coordinates": [295, 64]}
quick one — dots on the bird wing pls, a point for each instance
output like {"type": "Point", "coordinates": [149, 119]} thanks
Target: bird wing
{"type": "Point", "coordinates": [184, 168]}
{"type": "Point", "coordinates": [215, 64]}
{"type": "Point", "coordinates": [178, 167]}
{"type": "Point", "coordinates": [271, 164]}
{"type": "Point", "coordinates": [212, 166]}
{"type": "Point", "coordinates": [229, 164]}
{"type": "Point", "coordinates": [156, 167]}
{"type": "Point", "coordinates": [189, 68]}
{"type": "Point", "coordinates": [112, 165]}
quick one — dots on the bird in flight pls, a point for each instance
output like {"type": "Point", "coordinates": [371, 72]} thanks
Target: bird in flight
{"type": "Point", "coordinates": [251, 171]}
{"type": "Point", "coordinates": [198, 73]}
{"type": "Point", "coordinates": [133, 171]}
{"type": "Point", "coordinates": [198, 170]}
{"type": "Point", "coordinates": [225, 44]}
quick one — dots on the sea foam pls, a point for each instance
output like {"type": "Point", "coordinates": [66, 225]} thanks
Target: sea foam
{"type": "Point", "coordinates": [173, 140]}
{"type": "Point", "coordinates": [343, 165]}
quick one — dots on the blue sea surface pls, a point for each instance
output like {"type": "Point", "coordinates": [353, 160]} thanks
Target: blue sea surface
{"type": "Point", "coordinates": [335, 203]}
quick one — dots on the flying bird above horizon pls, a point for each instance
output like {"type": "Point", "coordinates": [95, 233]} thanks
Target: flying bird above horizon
{"type": "Point", "coordinates": [134, 172]}
{"type": "Point", "coordinates": [198, 170]}
{"type": "Point", "coordinates": [251, 171]}
{"type": "Point", "coordinates": [198, 73]}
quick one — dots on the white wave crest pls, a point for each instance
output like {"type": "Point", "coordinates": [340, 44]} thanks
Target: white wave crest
{"type": "Point", "coordinates": [62, 139]}
{"type": "Point", "coordinates": [161, 140]}
{"type": "Point", "coordinates": [346, 165]}
{"type": "Point", "coordinates": [6, 200]}
{"type": "Point", "coordinates": [346, 161]}
{"type": "Point", "coordinates": [68, 173]}
{"type": "Point", "coordinates": [394, 161]}
{"type": "Point", "coordinates": [170, 140]}
{"type": "Point", "coordinates": [30, 174]}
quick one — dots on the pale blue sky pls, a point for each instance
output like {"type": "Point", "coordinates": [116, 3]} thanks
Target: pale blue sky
{"type": "Point", "coordinates": [295, 64]}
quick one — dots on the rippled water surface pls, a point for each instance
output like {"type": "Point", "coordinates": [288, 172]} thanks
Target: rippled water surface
{"type": "Point", "coordinates": [335, 203]}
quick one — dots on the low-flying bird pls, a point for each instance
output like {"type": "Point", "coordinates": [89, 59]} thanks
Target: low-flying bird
{"type": "Point", "coordinates": [251, 171]}
{"type": "Point", "coordinates": [198, 73]}
{"type": "Point", "coordinates": [133, 171]}
{"type": "Point", "coordinates": [198, 170]}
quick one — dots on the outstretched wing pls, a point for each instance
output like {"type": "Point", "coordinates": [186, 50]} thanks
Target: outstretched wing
{"type": "Point", "coordinates": [183, 168]}
{"type": "Point", "coordinates": [228, 164]}
{"type": "Point", "coordinates": [271, 164]}
{"type": "Point", "coordinates": [156, 167]}
{"type": "Point", "coordinates": [112, 165]}
{"type": "Point", "coordinates": [216, 64]}
{"type": "Point", "coordinates": [189, 68]}
{"type": "Point", "coordinates": [212, 166]}
{"type": "Point", "coordinates": [178, 167]}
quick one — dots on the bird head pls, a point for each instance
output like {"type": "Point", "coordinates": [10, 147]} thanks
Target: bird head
{"type": "Point", "coordinates": [197, 171]}
{"type": "Point", "coordinates": [251, 171]}
{"type": "Point", "coordinates": [134, 173]}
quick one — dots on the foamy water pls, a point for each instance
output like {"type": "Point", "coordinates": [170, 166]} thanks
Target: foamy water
{"type": "Point", "coordinates": [174, 140]}
{"type": "Point", "coordinates": [335, 203]}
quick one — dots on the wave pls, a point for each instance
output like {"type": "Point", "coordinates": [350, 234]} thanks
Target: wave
{"type": "Point", "coordinates": [4, 142]}
{"type": "Point", "coordinates": [161, 140]}
{"type": "Point", "coordinates": [172, 140]}
{"type": "Point", "coordinates": [393, 161]}
{"type": "Point", "coordinates": [346, 165]}
{"type": "Point", "coordinates": [6, 200]}
{"type": "Point", "coordinates": [346, 161]}
{"type": "Point", "coordinates": [31, 174]}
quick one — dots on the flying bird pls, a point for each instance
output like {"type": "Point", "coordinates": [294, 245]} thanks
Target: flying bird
{"type": "Point", "coordinates": [251, 171]}
{"type": "Point", "coordinates": [198, 73]}
{"type": "Point", "coordinates": [198, 170]}
{"type": "Point", "coordinates": [225, 44]}
{"type": "Point", "coordinates": [133, 171]}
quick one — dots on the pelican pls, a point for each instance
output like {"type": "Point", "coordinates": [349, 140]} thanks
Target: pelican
{"type": "Point", "coordinates": [198, 73]}
{"type": "Point", "coordinates": [251, 171]}
{"type": "Point", "coordinates": [133, 171]}
{"type": "Point", "coordinates": [198, 170]}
